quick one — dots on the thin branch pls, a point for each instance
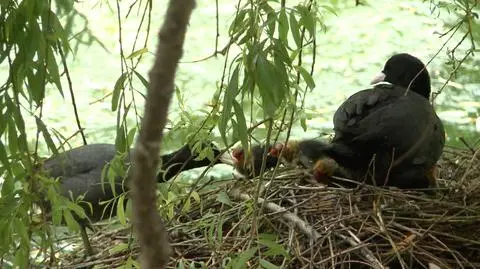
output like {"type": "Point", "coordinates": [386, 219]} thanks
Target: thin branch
{"type": "Point", "coordinates": [70, 88]}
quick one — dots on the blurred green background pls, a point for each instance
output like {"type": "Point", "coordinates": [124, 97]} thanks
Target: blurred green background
{"type": "Point", "coordinates": [352, 49]}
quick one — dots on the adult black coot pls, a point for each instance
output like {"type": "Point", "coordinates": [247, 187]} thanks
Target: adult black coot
{"type": "Point", "coordinates": [389, 134]}
{"type": "Point", "coordinates": [80, 173]}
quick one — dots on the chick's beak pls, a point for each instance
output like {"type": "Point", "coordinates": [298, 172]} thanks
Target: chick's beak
{"type": "Point", "coordinates": [275, 150]}
{"type": "Point", "coordinates": [228, 158]}
{"type": "Point", "coordinates": [378, 78]}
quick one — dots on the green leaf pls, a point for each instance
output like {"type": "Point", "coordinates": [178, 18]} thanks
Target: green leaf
{"type": "Point", "coordinates": [171, 206]}
{"type": "Point", "coordinates": [18, 121]}
{"type": "Point", "coordinates": [3, 123]}
{"type": "Point", "coordinates": [243, 258]}
{"type": "Point", "coordinates": [268, 236]}
{"type": "Point", "coordinates": [308, 21]}
{"type": "Point", "coordinates": [242, 129]}
{"type": "Point", "coordinates": [46, 135]}
{"type": "Point", "coordinates": [12, 135]}
{"type": "Point", "coordinates": [56, 216]}
{"type": "Point", "coordinates": [181, 264]}
{"type": "Point", "coordinates": [8, 189]}
{"type": "Point", "coordinates": [137, 53]}
{"type": "Point", "coordinates": [223, 198]}
{"type": "Point", "coordinates": [186, 206]}
{"type": "Point", "coordinates": [59, 31]}
{"type": "Point", "coordinates": [295, 29]}
{"type": "Point", "coordinates": [283, 26]}
{"type": "Point", "coordinates": [116, 171]}
{"type": "Point", "coordinates": [238, 22]}
{"type": "Point", "coordinates": [52, 68]}
{"type": "Point", "coordinates": [269, 84]}
{"type": "Point", "coordinates": [281, 53]}
{"type": "Point", "coordinates": [268, 265]}
{"type": "Point", "coordinates": [71, 223]}
{"type": "Point", "coordinates": [117, 89]}
{"type": "Point", "coordinates": [77, 209]}
{"type": "Point", "coordinates": [307, 77]}
{"type": "Point", "coordinates": [121, 210]}
{"type": "Point", "coordinates": [120, 139]}
{"type": "Point", "coordinates": [35, 87]}
{"type": "Point", "coordinates": [241, 125]}
{"type": "Point", "coordinates": [21, 256]}
{"type": "Point", "coordinates": [303, 119]}
{"type": "Point", "coordinates": [282, 75]}
{"type": "Point", "coordinates": [205, 153]}
{"type": "Point", "coordinates": [128, 208]}
{"type": "Point", "coordinates": [229, 97]}
{"type": "Point", "coordinates": [118, 248]}
{"type": "Point", "coordinates": [234, 131]}
{"type": "Point", "coordinates": [8, 205]}
{"type": "Point", "coordinates": [21, 228]}
{"type": "Point", "coordinates": [131, 263]}
{"type": "Point", "coordinates": [274, 248]}
{"type": "Point", "coordinates": [195, 196]}
{"type": "Point", "coordinates": [145, 82]}
{"type": "Point", "coordinates": [219, 236]}
{"type": "Point", "coordinates": [131, 136]}
{"type": "Point", "coordinates": [5, 164]}
{"type": "Point", "coordinates": [198, 265]}
{"type": "Point", "coordinates": [271, 22]}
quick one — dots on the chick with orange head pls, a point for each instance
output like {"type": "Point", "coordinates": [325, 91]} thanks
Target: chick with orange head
{"type": "Point", "coordinates": [302, 152]}
{"type": "Point", "coordinates": [290, 152]}
{"type": "Point", "coordinates": [312, 154]}
{"type": "Point", "coordinates": [324, 169]}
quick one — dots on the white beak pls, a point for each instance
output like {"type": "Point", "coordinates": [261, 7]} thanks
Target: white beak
{"type": "Point", "coordinates": [228, 159]}
{"type": "Point", "coordinates": [378, 78]}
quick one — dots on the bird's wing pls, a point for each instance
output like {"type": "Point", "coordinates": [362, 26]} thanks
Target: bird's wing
{"type": "Point", "coordinates": [362, 103]}
{"type": "Point", "coordinates": [409, 125]}
{"type": "Point", "coordinates": [80, 160]}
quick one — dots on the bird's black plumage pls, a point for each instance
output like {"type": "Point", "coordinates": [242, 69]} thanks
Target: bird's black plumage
{"type": "Point", "coordinates": [391, 129]}
{"type": "Point", "coordinates": [182, 160]}
{"type": "Point", "coordinates": [80, 173]}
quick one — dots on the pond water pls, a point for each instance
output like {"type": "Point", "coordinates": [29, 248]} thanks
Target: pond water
{"type": "Point", "coordinates": [357, 42]}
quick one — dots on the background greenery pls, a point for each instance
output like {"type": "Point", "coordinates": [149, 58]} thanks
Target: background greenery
{"type": "Point", "coordinates": [351, 49]}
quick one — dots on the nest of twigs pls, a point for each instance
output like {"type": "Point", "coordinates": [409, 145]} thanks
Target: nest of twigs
{"type": "Point", "coordinates": [298, 224]}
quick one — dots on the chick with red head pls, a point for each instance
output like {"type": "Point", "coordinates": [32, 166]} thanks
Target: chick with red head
{"type": "Point", "coordinates": [249, 163]}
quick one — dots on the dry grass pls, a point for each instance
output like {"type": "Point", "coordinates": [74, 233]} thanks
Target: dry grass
{"type": "Point", "coordinates": [299, 224]}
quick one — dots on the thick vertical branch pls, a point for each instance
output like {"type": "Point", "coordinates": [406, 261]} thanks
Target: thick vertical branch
{"type": "Point", "coordinates": [149, 227]}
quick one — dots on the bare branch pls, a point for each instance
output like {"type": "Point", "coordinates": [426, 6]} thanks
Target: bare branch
{"type": "Point", "coordinates": [148, 225]}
